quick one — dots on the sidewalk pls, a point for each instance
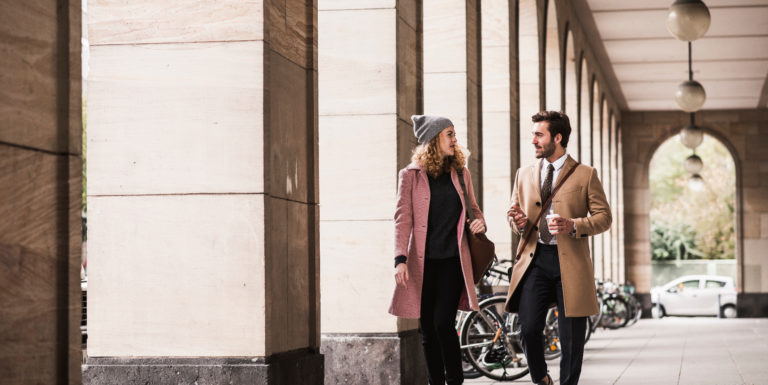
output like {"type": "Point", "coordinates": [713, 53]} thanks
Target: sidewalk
{"type": "Point", "coordinates": [673, 350]}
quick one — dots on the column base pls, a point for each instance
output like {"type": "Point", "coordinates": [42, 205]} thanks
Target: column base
{"type": "Point", "coordinates": [752, 305]}
{"type": "Point", "coordinates": [299, 367]}
{"type": "Point", "coordinates": [645, 302]}
{"type": "Point", "coordinates": [374, 359]}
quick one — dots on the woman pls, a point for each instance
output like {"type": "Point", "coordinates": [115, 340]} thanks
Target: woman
{"type": "Point", "coordinates": [433, 268]}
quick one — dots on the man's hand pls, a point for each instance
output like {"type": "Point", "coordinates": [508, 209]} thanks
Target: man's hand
{"type": "Point", "coordinates": [560, 225]}
{"type": "Point", "coordinates": [518, 217]}
{"type": "Point", "coordinates": [401, 275]}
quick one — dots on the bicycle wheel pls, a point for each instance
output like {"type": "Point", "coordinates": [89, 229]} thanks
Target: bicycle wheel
{"type": "Point", "coordinates": [635, 310]}
{"type": "Point", "coordinates": [490, 340]}
{"type": "Point", "coordinates": [589, 330]}
{"type": "Point", "coordinates": [615, 312]}
{"type": "Point", "coordinates": [469, 370]}
{"type": "Point", "coordinates": [551, 336]}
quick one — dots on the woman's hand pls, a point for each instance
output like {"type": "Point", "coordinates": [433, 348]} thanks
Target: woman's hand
{"type": "Point", "coordinates": [477, 226]}
{"type": "Point", "coordinates": [401, 275]}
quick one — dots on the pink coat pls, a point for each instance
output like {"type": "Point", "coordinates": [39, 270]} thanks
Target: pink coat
{"type": "Point", "coordinates": [411, 236]}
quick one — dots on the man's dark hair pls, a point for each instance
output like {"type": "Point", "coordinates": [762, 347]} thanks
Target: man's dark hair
{"type": "Point", "coordinates": [558, 124]}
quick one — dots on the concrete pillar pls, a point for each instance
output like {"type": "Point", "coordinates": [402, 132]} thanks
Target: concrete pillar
{"type": "Point", "coordinates": [585, 121]}
{"type": "Point", "coordinates": [452, 73]}
{"type": "Point", "coordinates": [500, 120]}
{"type": "Point", "coordinates": [553, 81]}
{"type": "Point", "coordinates": [605, 178]}
{"type": "Point", "coordinates": [203, 215]}
{"type": "Point", "coordinates": [529, 59]}
{"type": "Point", "coordinates": [620, 208]}
{"type": "Point", "coordinates": [597, 163]}
{"type": "Point", "coordinates": [371, 83]}
{"type": "Point", "coordinates": [41, 189]}
{"type": "Point", "coordinates": [615, 256]}
{"type": "Point", "coordinates": [571, 97]}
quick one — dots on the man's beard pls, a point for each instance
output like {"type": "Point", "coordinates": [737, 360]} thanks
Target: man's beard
{"type": "Point", "coordinates": [546, 151]}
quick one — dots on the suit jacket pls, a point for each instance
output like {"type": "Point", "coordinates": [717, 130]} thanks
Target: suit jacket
{"type": "Point", "coordinates": [411, 236]}
{"type": "Point", "coordinates": [581, 194]}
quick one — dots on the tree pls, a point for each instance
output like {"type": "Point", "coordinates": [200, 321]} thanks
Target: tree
{"type": "Point", "coordinates": [688, 224]}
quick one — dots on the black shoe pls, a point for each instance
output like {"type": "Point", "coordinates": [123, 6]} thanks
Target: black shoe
{"type": "Point", "coordinates": [546, 383]}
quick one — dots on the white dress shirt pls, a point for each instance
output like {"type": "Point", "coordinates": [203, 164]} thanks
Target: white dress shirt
{"type": "Point", "coordinates": [558, 164]}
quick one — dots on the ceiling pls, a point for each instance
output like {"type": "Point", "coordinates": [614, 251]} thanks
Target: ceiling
{"type": "Point", "coordinates": [730, 61]}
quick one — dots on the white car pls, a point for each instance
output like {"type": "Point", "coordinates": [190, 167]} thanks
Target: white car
{"type": "Point", "coordinates": [695, 295]}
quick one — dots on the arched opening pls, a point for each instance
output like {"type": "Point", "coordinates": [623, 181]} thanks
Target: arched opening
{"type": "Point", "coordinates": [552, 76]}
{"type": "Point", "coordinates": [692, 222]}
{"type": "Point", "coordinates": [572, 95]}
{"type": "Point", "coordinates": [585, 123]}
{"type": "Point", "coordinates": [528, 56]}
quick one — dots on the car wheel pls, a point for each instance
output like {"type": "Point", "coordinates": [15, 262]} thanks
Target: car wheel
{"type": "Point", "coordinates": [729, 311]}
{"type": "Point", "coordinates": [657, 311]}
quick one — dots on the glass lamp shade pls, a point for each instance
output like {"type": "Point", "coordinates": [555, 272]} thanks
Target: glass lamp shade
{"type": "Point", "coordinates": [696, 182]}
{"type": "Point", "coordinates": [693, 164]}
{"type": "Point", "coordinates": [691, 136]}
{"type": "Point", "coordinates": [688, 20]}
{"type": "Point", "coordinates": [690, 96]}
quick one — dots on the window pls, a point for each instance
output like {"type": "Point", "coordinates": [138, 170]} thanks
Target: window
{"type": "Point", "coordinates": [691, 284]}
{"type": "Point", "coordinates": [714, 284]}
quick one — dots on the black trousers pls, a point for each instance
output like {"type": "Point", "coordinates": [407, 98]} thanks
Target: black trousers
{"type": "Point", "coordinates": [442, 286]}
{"type": "Point", "coordinates": [541, 287]}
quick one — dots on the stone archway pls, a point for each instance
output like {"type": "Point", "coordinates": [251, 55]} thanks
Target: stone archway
{"type": "Point", "coordinates": [739, 131]}
{"type": "Point", "coordinates": [678, 212]}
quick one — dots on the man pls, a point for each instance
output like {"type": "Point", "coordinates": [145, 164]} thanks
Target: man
{"type": "Point", "coordinates": [555, 264]}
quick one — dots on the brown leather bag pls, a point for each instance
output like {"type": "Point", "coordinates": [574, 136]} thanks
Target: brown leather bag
{"type": "Point", "coordinates": [481, 249]}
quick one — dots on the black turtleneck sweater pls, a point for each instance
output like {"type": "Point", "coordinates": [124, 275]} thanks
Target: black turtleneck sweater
{"type": "Point", "coordinates": [444, 214]}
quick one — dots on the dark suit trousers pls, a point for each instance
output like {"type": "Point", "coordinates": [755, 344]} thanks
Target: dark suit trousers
{"type": "Point", "coordinates": [541, 287]}
{"type": "Point", "coordinates": [440, 294]}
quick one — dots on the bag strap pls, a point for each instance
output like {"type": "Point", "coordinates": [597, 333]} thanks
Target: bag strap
{"type": "Point", "coordinates": [543, 207]}
{"type": "Point", "coordinates": [467, 208]}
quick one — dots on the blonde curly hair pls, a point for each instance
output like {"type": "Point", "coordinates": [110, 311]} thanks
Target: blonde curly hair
{"type": "Point", "coordinates": [428, 156]}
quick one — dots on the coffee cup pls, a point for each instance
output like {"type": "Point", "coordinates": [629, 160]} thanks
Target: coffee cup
{"type": "Point", "coordinates": [550, 218]}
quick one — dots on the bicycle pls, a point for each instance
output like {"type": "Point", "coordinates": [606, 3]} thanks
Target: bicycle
{"type": "Point", "coordinates": [490, 338]}
{"type": "Point", "coordinates": [614, 307]}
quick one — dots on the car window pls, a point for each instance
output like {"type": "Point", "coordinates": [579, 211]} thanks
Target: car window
{"type": "Point", "coordinates": [691, 284]}
{"type": "Point", "coordinates": [714, 284]}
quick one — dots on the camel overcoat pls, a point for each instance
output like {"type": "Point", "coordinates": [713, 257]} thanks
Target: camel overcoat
{"type": "Point", "coordinates": [411, 215]}
{"type": "Point", "coordinates": [581, 194]}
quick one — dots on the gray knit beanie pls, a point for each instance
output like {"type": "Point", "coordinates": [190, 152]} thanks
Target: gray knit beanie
{"type": "Point", "coordinates": [426, 127]}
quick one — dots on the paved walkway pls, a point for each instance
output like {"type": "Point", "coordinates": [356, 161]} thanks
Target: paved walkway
{"type": "Point", "coordinates": [674, 350]}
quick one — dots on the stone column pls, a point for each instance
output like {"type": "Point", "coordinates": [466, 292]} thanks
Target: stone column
{"type": "Point", "coordinates": [529, 75]}
{"type": "Point", "coordinates": [605, 178]}
{"type": "Point", "coordinates": [601, 271]}
{"type": "Point", "coordinates": [585, 121]}
{"type": "Point", "coordinates": [452, 73]}
{"type": "Point", "coordinates": [500, 119]}
{"type": "Point", "coordinates": [615, 256]}
{"type": "Point", "coordinates": [620, 206]}
{"type": "Point", "coordinates": [370, 60]}
{"type": "Point", "coordinates": [553, 90]}
{"type": "Point", "coordinates": [203, 212]}
{"type": "Point", "coordinates": [41, 189]}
